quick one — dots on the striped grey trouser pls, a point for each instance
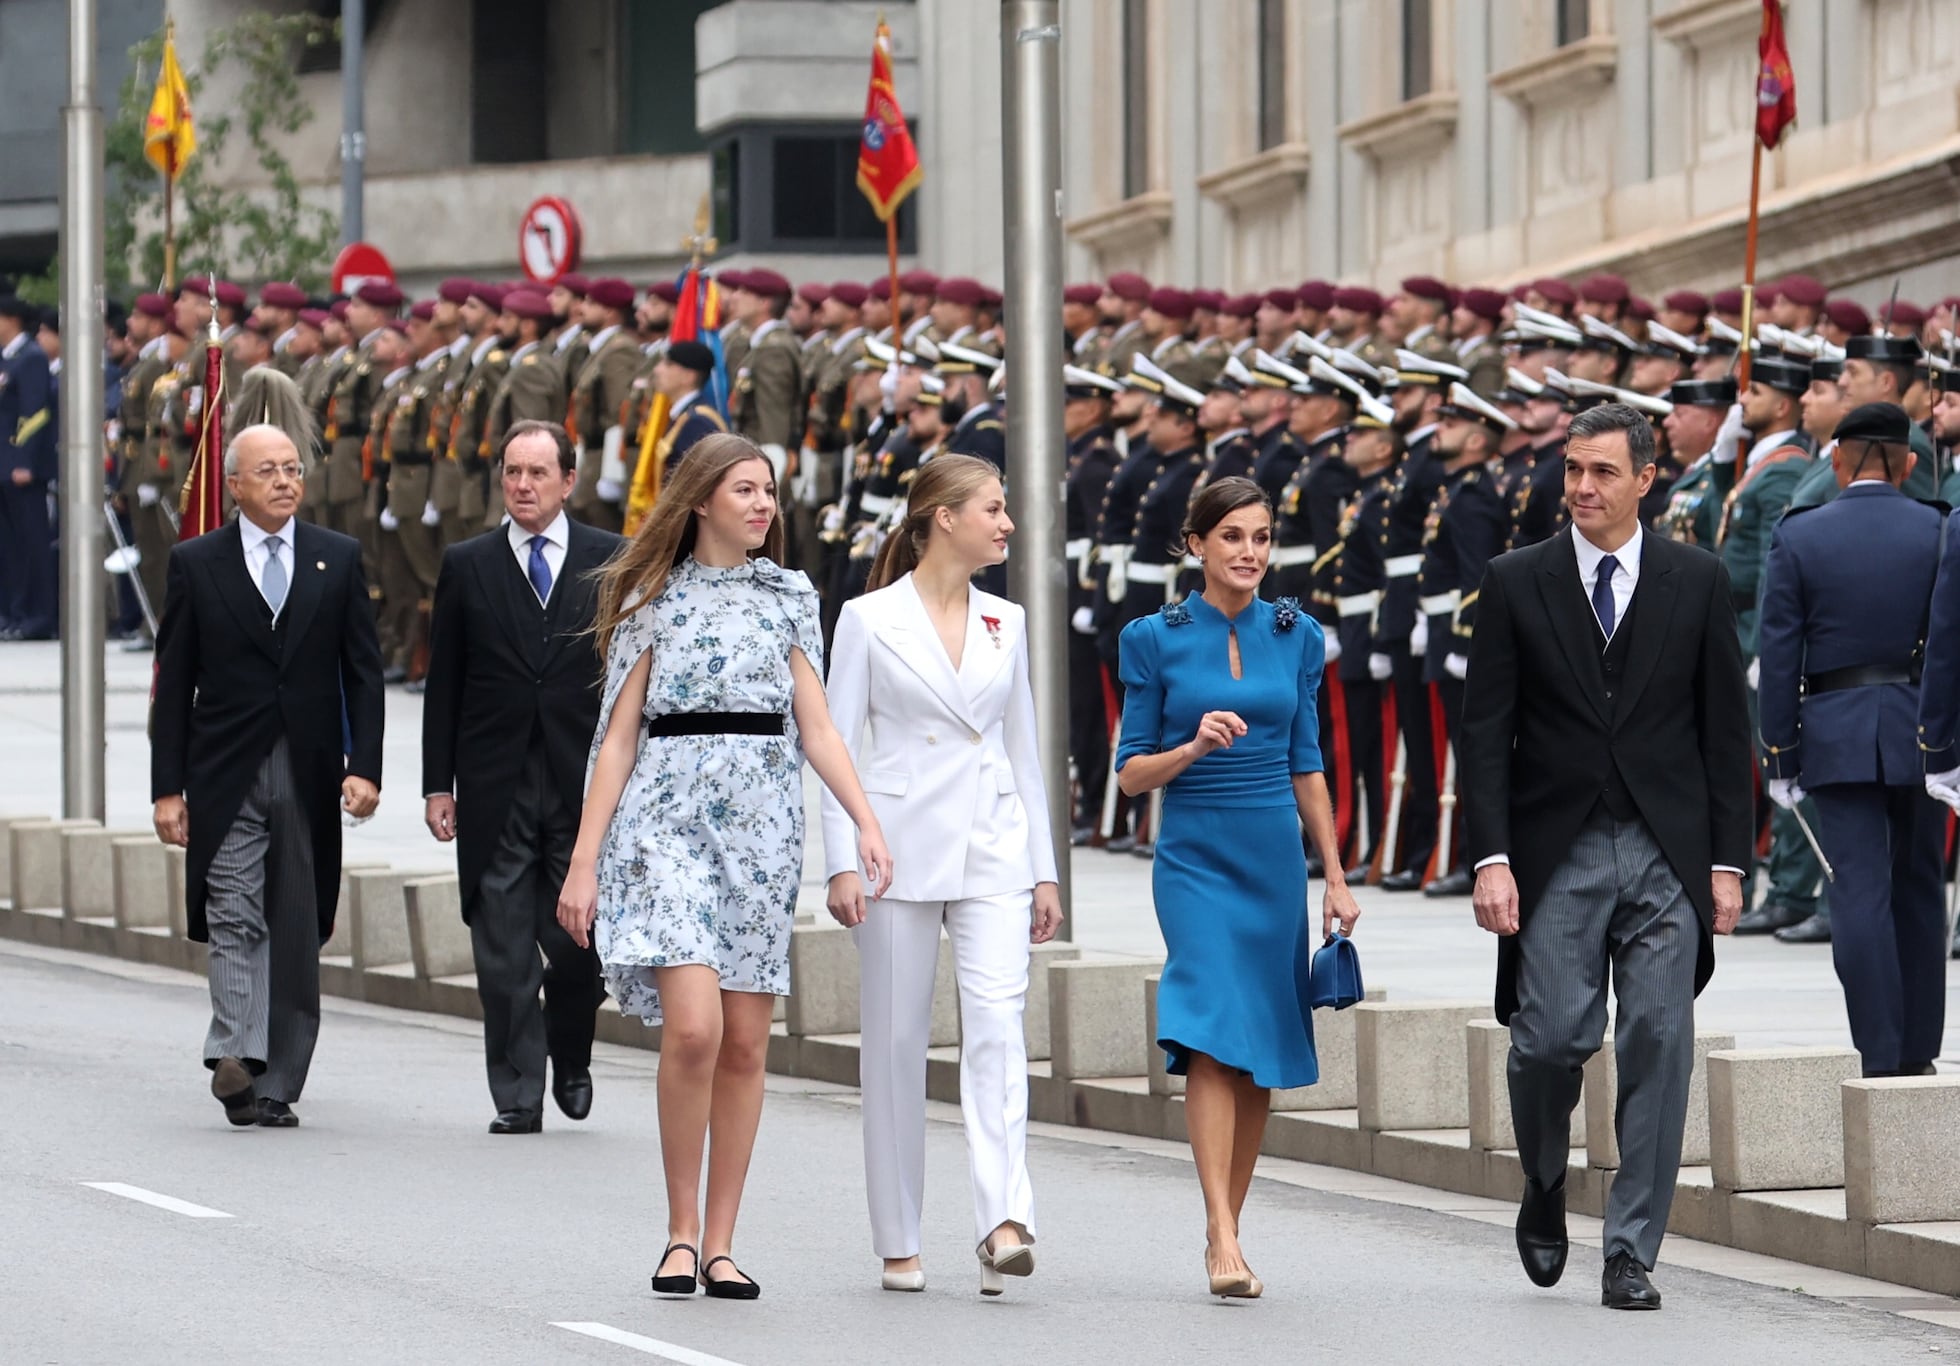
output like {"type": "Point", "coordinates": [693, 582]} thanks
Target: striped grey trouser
{"type": "Point", "coordinates": [1615, 899]}
{"type": "Point", "coordinates": [265, 936]}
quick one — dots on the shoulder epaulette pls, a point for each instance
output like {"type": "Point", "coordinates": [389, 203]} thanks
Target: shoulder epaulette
{"type": "Point", "coordinates": [988, 423]}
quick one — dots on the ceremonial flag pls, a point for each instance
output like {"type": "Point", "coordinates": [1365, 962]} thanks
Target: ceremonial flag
{"type": "Point", "coordinates": [169, 135]}
{"type": "Point", "coordinates": [1776, 84]}
{"type": "Point", "coordinates": [203, 505]}
{"type": "Point", "coordinates": [697, 317]}
{"type": "Point", "coordinates": [888, 163]}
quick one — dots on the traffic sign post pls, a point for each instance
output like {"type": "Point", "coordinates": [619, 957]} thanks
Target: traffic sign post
{"type": "Point", "coordinates": [358, 264]}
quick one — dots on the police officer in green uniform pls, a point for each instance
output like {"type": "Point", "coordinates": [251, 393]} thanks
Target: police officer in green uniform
{"type": "Point", "coordinates": [1694, 504]}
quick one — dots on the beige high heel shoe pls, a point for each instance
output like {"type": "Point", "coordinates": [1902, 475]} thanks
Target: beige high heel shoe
{"type": "Point", "coordinates": [912, 1281]}
{"type": "Point", "coordinates": [1009, 1261]}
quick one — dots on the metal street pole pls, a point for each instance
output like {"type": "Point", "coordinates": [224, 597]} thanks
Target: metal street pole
{"type": "Point", "coordinates": [353, 125]}
{"type": "Point", "coordinates": [84, 583]}
{"type": "Point", "coordinates": [1031, 143]}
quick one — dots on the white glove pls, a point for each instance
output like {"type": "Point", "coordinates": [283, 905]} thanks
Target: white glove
{"type": "Point", "coordinates": [1755, 671]}
{"type": "Point", "coordinates": [833, 519]}
{"type": "Point", "coordinates": [1728, 437]}
{"type": "Point", "coordinates": [888, 382]}
{"type": "Point", "coordinates": [1456, 666]}
{"type": "Point", "coordinates": [1333, 649]}
{"type": "Point", "coordinates": [147, 495]}
{"type": "Point", "coordinates": [1785, 792]}
{"type": "Point", "coordinates": [1381, 668]}
{"type": "Point", "coordinates": [1945, 787]}
{"type": "Point", "coordinates": [1083, 622]}
{"type": "Point", "coordinates": [390, 522]}
{"type": "Point", "coordinates": [1419, 638]}
{"type": "Point", "coordinates": [609, 490]}
{"type": "Point", "coordinates": [431, 517]}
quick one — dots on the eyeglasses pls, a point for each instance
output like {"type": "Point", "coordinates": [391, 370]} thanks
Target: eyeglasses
{"type": "Point", "coordinates": [265, 474]}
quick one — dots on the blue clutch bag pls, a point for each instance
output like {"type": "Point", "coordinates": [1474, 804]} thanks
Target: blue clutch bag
{"type": "Point", "coordinates": [1334, 975]}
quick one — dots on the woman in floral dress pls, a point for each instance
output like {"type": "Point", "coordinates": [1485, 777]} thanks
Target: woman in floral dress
{"type": "Point", "coordinates": [690, 846]}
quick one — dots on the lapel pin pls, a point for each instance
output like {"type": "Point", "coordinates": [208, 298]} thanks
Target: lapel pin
{"type": "Point", "coordinates": [993, 629]}
{"type": "Point", "coordinates": [319, 564]}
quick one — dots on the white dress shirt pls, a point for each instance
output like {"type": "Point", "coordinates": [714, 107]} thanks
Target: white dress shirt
{"type": "Point", "coordinates": [12, 348]}
{"type": "Point", "coordinates": [555, 536]}
{"type": "Point", "coordinates": [256, 554]}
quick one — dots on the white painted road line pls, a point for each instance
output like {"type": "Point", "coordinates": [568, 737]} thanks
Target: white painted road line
{"type": "Point", "coordinates": [169, 1202]}
{"type": "Point", "coordinates": [667, 1351]}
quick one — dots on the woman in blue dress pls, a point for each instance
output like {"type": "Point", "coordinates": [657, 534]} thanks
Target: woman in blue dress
{"type": "Point", "coordinates": [1219, 711]}
{"type": "Point", "coordinates": [690, 845]}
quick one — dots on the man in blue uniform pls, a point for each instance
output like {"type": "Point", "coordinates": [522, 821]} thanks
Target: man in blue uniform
{"type": "Point", "coordinates": [1841, 634]}
{"type": "Point", "coordinates": [1091, 463]}
{"type": "Point", "coordinates": [27, 474]}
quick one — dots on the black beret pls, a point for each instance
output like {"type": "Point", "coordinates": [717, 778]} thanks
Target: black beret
{"type": "Point", "coordinates": [692, 355]}
{"type": "Point", "coordinates": [1885, 423]}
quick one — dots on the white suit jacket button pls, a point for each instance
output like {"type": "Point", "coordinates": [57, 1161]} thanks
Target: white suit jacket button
{"type": "Point", "coordinates": [973, 739]}
{"type": "Point", "coordinates": [931, 739]}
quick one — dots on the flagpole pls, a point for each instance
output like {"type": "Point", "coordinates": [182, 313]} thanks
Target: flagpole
{"type": "Point", "coordinates": [891, 262]}
{"type": "Point", "coordinates": [1749, 266]}
{"type": "Point", "coordinates": [169, 231]}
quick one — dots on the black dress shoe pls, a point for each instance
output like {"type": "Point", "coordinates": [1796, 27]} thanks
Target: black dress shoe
{"type": "Point", "coordinates": [231, 1083]}
{"type": "Point", "coordinates": [394, 673]}
{"type": "Point", "coordinates": [1542, 1243]}
{"type": "Point", "coordinates": [276, 1114]}
{"type": "Point", "coordinates": [1081, 835]}
{"type": "Point", "coordinates": [1144, 849]}
{"type": "Point", "coordinates": [1459, 883]}
{"type": "Point", "coordinates": [1624, 1285]}
{"type": "Point", "coordinates": [517, 1122]}
{"type": "Point", "coordinates": [1408, 880]}
{"type": "Point", "coordinates": [1120, 844]}
{"type": "Point", "coordinates": [1770, 917]}
{"type": "Point", "coordinates": [572, 1089]}
{"type": "Point", "coordinates": [1816, 930]}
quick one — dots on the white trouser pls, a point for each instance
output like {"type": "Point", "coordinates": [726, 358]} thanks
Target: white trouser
{"type": "Point", "coordinates": [898, 952]}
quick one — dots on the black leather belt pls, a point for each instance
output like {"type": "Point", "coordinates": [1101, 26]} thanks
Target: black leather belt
{"type": "Point", "coordinates": [410, 459]}
{"type": "Point", "coordinates": [1859, 676]}
{"type": "Point", "coordinates": [715, 723]}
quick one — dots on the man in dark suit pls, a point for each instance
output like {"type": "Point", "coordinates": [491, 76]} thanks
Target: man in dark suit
{"type": "Point", "coordinates": [27, 473]}
{"type": "Point", "coordinates": [1843, 624]}
{"type": "Point", "coordinates": [1939, 689]}
{"type": "Point", "coordinates": [266, 722]}
{"type": "Point", "coordinates": [1605, 750]}
{"type": "Point", "coordinates": [507, 722]}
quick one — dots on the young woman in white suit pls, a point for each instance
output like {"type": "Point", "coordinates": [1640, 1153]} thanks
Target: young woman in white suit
{"type": "Point", "coordinates": [929, 688]}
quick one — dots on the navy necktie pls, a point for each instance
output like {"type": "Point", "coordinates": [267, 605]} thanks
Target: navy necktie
{"type": "Point", "coordinates": [538, 571]}
{"type": "Point", "coordinates": [1602, 594]}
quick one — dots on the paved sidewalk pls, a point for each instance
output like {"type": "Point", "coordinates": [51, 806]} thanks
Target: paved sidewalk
{"type": "Point", "coordinates": [1764, 992]}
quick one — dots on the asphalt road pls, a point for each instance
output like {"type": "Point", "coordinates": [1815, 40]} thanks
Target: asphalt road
{"type": "Point", "coordinates": [391, 1228]}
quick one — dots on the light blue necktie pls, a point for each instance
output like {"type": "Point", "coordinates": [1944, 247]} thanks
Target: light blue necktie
{"type": "Point", "coordinates": [272, 583]}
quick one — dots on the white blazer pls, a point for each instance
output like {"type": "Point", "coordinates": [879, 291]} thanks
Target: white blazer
{"type": "Point", "coordinates": [948, 759]}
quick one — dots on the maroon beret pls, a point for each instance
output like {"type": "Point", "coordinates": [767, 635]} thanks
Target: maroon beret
{"type": "Point", "coordinates": [1172, 303]}
{"type": "Point", "coordinates": [1213, 299]}
{"type": "Point", "coordinates": [1687, 301]}
{"type": "Point", "coordinates": [526, 304]}
{"type": "Point", "coordinates": [612, 292]}
{"type": "Point", "coordinates": [1242, 306]}
{"type": "Point", "coordinates": [573, 281]}
{"type": "Point", "coordinates": [455, 290]}
{"type": "Point", "coordinates": [1640, 308]}
{"type": "Point", "coordinates": [881, 288]}
{"type": "Point", "coordinates": [1128, 285]}
{"type": "Point", "coordinates": [379, 293]}
{"type": "Point", "coordinates": [230, 295]}
{"type": "Point", "coordinates": [1285, 300]}
{"type": "Point", "coordinates": [918, 282]}
{"type": "Point", "coordinates": [1556, 290]}
{"type": "Point", "coordinates": [195, 284]}
{"type": "Point", "coordinates": [991, 297]}
{"type": "Point", "coordinates": [958, 289]}
{"type": "Point", "coordinates": [665, 290]}
{"type": "Point", "coordinates": [397, 326]}
{"type": "Point", "coordinates": [1806, 291]}
{"type": "Point", "coordinates": [732, 278]}
{"type": "Point", "coordinates": [813, 293]}
{"type": "Point", "coordinates": [848, 293]}
{"type": "Point", "coordinates": [424, 309]}
{"type": "Point", "coordinates": [490, 295]}
{"type": "Point", "coordinates": [1482, 303]}
{"type": "Point", "coordinates": [1602, 289]}
{"type": "Point", "coordinates": [1726, 301]}
{"type": "Point", "coordinates": [1849, 315]}
{"type": "Point", "coordinates": [338, 309]}
{"type": "Point", "coordinates": [153, 305]}
{"type": "Point", "coordinates": [1315, 294]}
{"type": "Point", "coordinates": [315, 318]}
{"type": "Point", "coordinates": [1086, 295]}
{"type": "Point", "coordinates": [1427, 287]}
{"type": "Point", "coordinates": [1951, 303]}
{"type": "Point", "coordinates": [1906, 315]}
{"type": "Point", "coordinates": [1356, 299]}
{"type": "Point", "coordinates": [765, 282]}
{"type": "Point", "coordinates": [1519, 293]}
{"type": "Point", "coordinates": [280, 294]}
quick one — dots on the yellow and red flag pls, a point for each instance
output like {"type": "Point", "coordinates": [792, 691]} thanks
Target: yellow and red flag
{"type": "Point", "coordinates": [697, 317]}
{"type": "Point", "coordinates": [1776, 84]}
{"type": "Point", "coordinates": [888, 163]}
{"type": "Point", "coordinates": [169, 134]}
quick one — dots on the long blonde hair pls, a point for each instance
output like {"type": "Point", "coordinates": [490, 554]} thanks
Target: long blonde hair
{"type": "Point", "coordinates": [945, 481]}
{"type": "Point", "coordinates": [636, 576]}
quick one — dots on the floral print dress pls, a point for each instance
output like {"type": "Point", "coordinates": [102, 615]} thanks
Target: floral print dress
{"type": "Point", "coordinates": [703, 858]}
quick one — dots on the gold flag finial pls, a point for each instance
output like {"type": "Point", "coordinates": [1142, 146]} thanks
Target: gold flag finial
{"type": "Point", "coordinates": [699, 243]}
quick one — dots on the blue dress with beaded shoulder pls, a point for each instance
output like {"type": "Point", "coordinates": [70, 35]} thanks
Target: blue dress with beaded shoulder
{"type": "Point", "coordinates": [1230, 875]}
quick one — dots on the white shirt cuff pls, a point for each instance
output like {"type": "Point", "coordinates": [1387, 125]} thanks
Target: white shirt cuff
{"type": "Point", "coordinates": [1484, 863]}
{"type": "Point", "coordinates": [1724, 868]}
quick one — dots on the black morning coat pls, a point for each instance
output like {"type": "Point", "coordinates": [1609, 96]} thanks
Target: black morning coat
{"type": "Point", "coordinates": [229, 683]}
{"type": "Point", "coordinates": [505, 673]}
{"type": "Point", "coordinates": [1542, 738]}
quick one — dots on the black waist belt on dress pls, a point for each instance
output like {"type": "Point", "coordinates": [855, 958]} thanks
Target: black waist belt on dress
{"type": "Point", "coordinates": [715, 723]}
{"type": "Point", "coordinates": [1859, 676]}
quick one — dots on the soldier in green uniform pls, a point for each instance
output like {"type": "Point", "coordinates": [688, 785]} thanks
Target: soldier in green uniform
{"type": "Point", "coordinates": [768, 384]}
{"type": "Point", "coordinates": [600, 395]}
{"type": "Point", "coordinates": [139, 489]}
{"type": "Point", "coordinates": [735, 329]}
{"type": "Point", "coordinates": [409, 521]}
{"type": "Point", "coordinates": [830, 425]}
{"type": "Point", "coordinates": [570, 339]}
{"type": "Point", "coordinates": [350, 413]}
{"type": "Point", "coordinates": [1694, 504]}
{"type": "Point", "coordinates": [484, 365]}
{"type": "Point", "coordinates": [278, 313]}
{"type": "Point", "coordinates": [1123, 299]}
{"type": "Point", "coordinates": [445, 475]}
{"type": "Point", "coordinates": [393, 583]}
{"type": "Point", "coordinates": [1419, 318]}
{"type": "Point", "coordinates": [1164, 320]}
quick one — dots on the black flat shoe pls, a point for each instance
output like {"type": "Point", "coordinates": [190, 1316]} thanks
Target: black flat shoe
{"type": "Point", "coordinates": [231, 1083]}
{"type": "Point", "coordinates": [1542, 1243]}
{"type": "Point", "coordinates": [1408, 880]}
{"type": "Point", "coordinates": [517, 1122]}
{"type": "Point", "coordinates": [573, 1092]}
{"type": "Point", "coordinates": [1624, 1285]}
{"type": "Point", "coordinates": [1459, 883]}
{"type": "Point", "coordinates": [730, 1289]}
{"type": "Point", "coordinates": [1816, 930]}
{"type": "Point", "coordinates": [675, 1285]}
{"type": "Point", "coordinates": [276, 1114]}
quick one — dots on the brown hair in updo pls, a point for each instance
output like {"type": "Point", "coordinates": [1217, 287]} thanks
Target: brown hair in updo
{"type": "Point", "coordinates": [1215, 502]}
{"type": "Point", "coordinates": [945, 481]}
